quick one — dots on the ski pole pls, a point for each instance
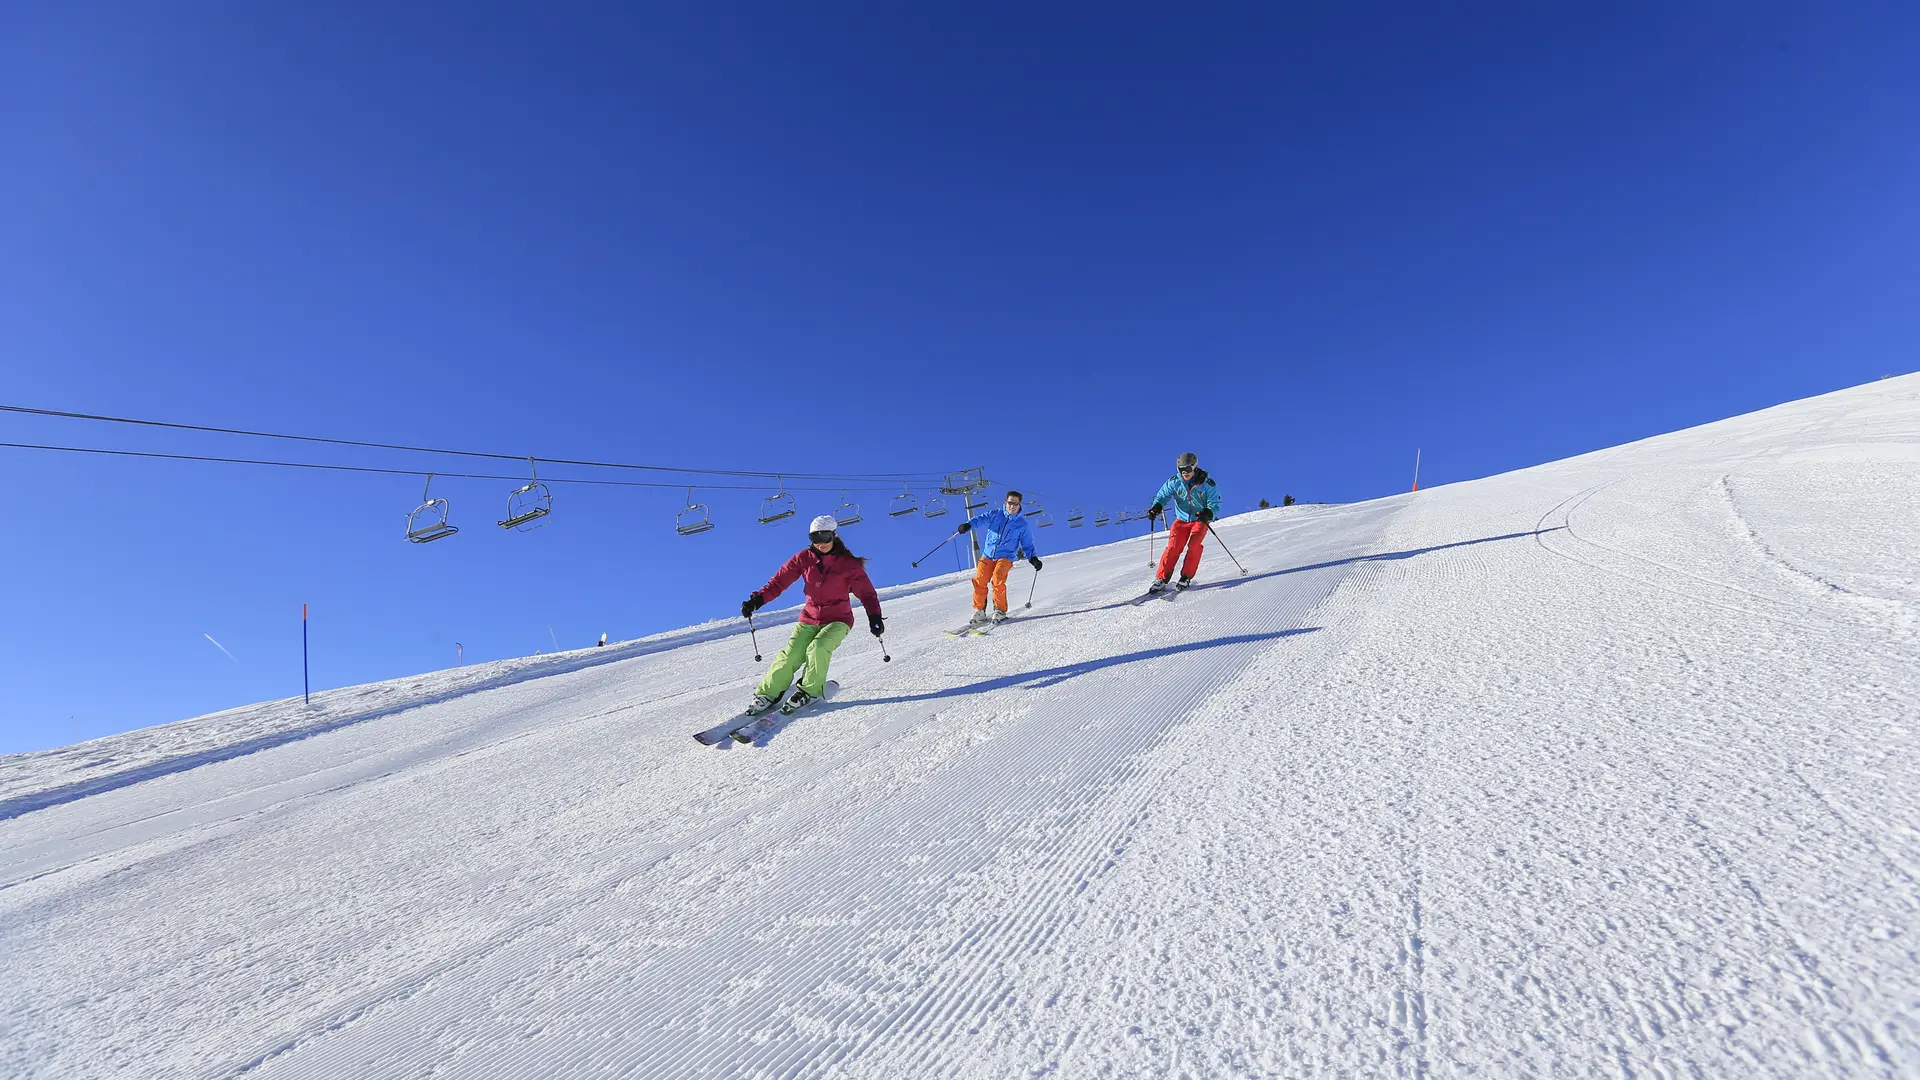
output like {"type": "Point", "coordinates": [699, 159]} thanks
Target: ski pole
{"type": "Point", "coordinates": [755, 637]}
{"type": "Point", "coordinates": [936, 547]}
{"type": "Point", "coordinates": [1223, 547]}
{"type": "Point", "coordinates": [1153, 526]}
{"type": "Point", "coordinates": [884, 658]}
{"type": "Point", "coordinates": [1030, 588]}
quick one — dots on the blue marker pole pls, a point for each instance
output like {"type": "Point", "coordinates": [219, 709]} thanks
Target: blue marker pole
{"type": "Point", "coordinates": [306, 687]}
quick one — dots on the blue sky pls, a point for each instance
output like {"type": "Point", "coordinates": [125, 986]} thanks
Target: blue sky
{"type": "Point", "coordinates": [1063, 244]}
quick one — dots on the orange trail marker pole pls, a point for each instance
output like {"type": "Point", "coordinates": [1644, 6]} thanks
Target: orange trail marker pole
{"type": "Point", "coordinates": [1416, 468]}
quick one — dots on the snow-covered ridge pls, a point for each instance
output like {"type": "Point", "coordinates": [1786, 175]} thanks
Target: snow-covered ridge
{"type": "Point", "coordinates": [1608, 766]}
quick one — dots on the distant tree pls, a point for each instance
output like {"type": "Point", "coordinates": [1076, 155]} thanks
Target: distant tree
{"type": "Point", "coordinates": [1287, 501]}
{"type": "Point", "coordinates": [1264, 504]}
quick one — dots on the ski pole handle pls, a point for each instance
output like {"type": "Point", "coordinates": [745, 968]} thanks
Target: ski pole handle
{"type": "Point", "coordinates": [936, 547]}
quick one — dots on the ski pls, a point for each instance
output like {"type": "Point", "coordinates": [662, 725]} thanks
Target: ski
{"type": "Point", "coordinates": [970, 627]}
{"type": "Point", "coordinates": [986, 628]}
{"type": "Point", "coordinates": [766, 722]}
{"type": "Point", "coordinates": [1167, 593]}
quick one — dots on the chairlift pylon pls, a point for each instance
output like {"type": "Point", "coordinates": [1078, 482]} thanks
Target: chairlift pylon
{"type": "Point", "coordinates": [528, 503]}
{"type": "Point", "coordinates": [695, 518]}
{"type": "Point", "coordinates": [777, 507]}
{"type": "Point", "coordinates": [1075, 517]}
{"type": "Point", "coordinates": [428, 521]}
{"type": "Point", "coordinates": [849, 512]}
{"type": "Point", "coordinates": [936, 507]}
{"type": "Point", "coordinates": [903, 504]}
{"type": "Point", "coordinates": [965, 482]}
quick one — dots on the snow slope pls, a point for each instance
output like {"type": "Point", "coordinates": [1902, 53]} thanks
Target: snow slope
{"type": "Point", "coordinates": [1605, 767]}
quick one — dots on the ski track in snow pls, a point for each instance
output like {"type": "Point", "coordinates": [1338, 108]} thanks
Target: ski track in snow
{"type": "Point", "coordinates": [1605, 767]}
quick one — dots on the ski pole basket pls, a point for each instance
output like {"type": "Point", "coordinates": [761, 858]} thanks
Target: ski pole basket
{"type": "Point", "coordinates": [903, 504]}
{"type": "Point", "coordinates": [696, 518]}
{"type": "Point", "coordinates": [777, 507]}
{"type": "Point", "coordinates": [528, 503]}
{"type": "Point", "coordinates": [1075, 517]}
{"type": "Point", "coordinates": [428, 521]}
{"type": "Point", "coordinates": [936, 507]}
{"type": "Point", "coordinates": [849, 512]}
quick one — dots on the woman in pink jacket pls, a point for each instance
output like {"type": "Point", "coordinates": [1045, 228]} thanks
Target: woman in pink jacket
{"type": "Point", "coordinates": [830, 572]}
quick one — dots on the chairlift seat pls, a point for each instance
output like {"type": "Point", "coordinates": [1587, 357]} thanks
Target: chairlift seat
{"type": "Point", "coordinates": [436, 525]}
{"type": "Point", "coordinates": [935, 508]}
{"type": "Point", "coordinates": [532, 513]}
{"type": "Point", "coordinates": [903, 504]}
{"type": "Point", "coordinates": [687, 523]}
{"type": "Point", "coordinates": [777, 508]}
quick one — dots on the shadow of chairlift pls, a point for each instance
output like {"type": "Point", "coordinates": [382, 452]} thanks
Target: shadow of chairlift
{"type": "Point", "coordinates": [528, 503]}
{"type": "Point", "coordinates": [695, 518]}
{"type": "Point", "coordinates": [777, 507]}
{"type": "Point", "coordinates": [1075, 517]}
{"type": "Point", "coordinates": [428, 521]}
{"type": "Point", "coordinates": [903, 504]}
{"type": "Point", "coordinates": [848, 514]}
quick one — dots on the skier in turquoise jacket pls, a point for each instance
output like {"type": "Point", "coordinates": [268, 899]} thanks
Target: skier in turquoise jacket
{"type": "Point", "coordinates": [1195, 499]}
{"type": "Point", "coordinates": [1006, 535]}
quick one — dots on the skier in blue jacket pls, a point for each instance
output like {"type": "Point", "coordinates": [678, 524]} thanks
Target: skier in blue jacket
{"type": "Point", "coordinates": [1196, 501]}
{"type": "Point", "coordinates": [1007, 535]}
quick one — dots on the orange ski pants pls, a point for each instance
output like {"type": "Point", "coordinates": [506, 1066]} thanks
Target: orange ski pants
{"type": "Point", "coordinates": [1191, 535]}
{"type": "Point", "coordinates": [993, 571]}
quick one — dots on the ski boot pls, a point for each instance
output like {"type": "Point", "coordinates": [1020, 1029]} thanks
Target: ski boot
{"type": "Point", "coordinates": [762, 704]}
{"type": "Point", "coordinates": [1159, 585]}
{"type": "Point", "coordinates": [997, 617]}
{"type": "Point", "coordinates": [1185, 582]}
{"type": "Point", "coordinates": [979, 619]}
{"type": "Point", "coordinates": [796, 701]}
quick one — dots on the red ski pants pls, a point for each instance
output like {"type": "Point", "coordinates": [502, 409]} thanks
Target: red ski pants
{"type": "Point", "coordinates": [1183, 534]}
{"type": "Point", "coordinates": [994, 572]}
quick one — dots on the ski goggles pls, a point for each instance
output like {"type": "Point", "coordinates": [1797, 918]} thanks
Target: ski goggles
{"type": "Point", "coordinates": [822, 536]}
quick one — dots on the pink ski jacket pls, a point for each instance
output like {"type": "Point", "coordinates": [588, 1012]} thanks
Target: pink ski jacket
{"type": "Point", "coordinates": [828, 579]}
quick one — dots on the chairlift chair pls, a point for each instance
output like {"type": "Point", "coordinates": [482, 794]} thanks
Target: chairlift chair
{"type": "Point", "coordinates": [777, 507]}
{"type": "Point", "coordinates": [1076, 517]}
{"type": "Point", "coordinates": [936, 507]}
{"type": "Point", "coordinates": [903, 504]}
{"type": "Point", "coordinates": [528, 503]}
{"type": "Point", "coordinates": [696, 518]}
{"type": "Point", "coordinates": [1041, 519]}
{"type": "Point", "coordinates": [1100, 517]}
{"type": "Point", "coordinates": [428, 521]}
{"type": "Point", "coordinates": [849, 512]}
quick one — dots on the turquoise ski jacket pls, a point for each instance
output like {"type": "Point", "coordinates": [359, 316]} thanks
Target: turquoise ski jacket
{"type": "Point", "coordinates": [1186, 498]}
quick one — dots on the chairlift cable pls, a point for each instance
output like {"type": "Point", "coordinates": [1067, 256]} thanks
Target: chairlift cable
{"type": "Point", "coordinates": [60, 413]}
{"type": "Point", "coordinates": [397, 472]}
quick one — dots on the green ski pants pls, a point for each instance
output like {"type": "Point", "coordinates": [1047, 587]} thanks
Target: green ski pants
{"type": "Point", "coordinates": [810, 645]}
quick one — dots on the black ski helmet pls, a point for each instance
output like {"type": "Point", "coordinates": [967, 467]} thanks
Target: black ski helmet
{"type": "Point", "coordinates": [1187, 461]}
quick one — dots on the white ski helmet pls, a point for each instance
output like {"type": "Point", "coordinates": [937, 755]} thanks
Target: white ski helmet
{"type": "Point", "coordinates": [823, 523]}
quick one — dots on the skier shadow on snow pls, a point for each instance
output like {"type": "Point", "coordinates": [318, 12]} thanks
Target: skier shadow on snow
{"type": "Point", "coordinates": [1228, 583]}
{"type": "Point", "coordinates": [1035, 680]}
{"type": "Point", "coordinates": [1385, 556]}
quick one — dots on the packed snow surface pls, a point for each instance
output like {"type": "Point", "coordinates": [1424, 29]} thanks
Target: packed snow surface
{"type": "Point", "coordinates": [1605, 767]}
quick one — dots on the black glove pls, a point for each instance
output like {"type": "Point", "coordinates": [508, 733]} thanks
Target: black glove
{"type": "Point", "coordinates": [876, 624]}
{"type": "Point", "coordinates": [751, 604]}
{"type": "Point", "coordinates": [1036, 563]}
{"type": "Point", "coordinates": [1204, 515]}
{"type": "Point", "coordinates": [964, 527]}
{"type": "Point", "coordinates": [1155, 511]}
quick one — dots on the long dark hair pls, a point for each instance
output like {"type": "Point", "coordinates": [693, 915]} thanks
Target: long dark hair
{"type": "Point", "coordinates": [839, 548]}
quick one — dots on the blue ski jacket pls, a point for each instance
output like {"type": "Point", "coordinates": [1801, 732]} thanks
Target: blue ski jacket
{"type": "Point", "coordinates": [1186, 498]}
{"type": "Point", "coordinates": [1005, 535]}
